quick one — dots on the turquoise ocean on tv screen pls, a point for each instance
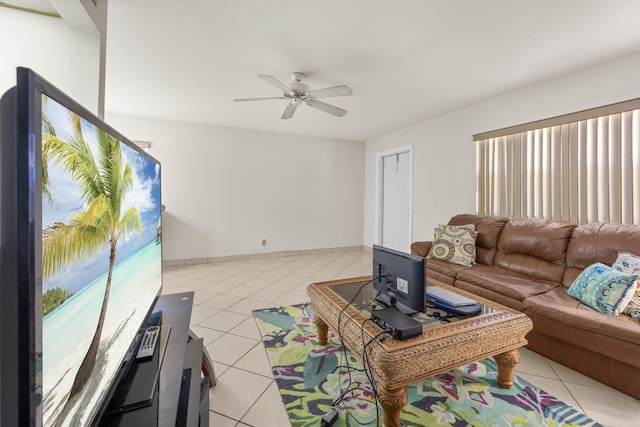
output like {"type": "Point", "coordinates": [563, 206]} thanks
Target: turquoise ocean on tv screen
{"type": "Point", "coordinates": [68, 330]}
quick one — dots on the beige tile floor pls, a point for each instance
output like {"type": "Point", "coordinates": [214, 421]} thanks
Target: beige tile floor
{"type": "Point", "coordinates": [246, 394]}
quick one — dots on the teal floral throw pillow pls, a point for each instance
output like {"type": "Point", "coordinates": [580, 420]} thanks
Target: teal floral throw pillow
{"type": "Point", "coordinates": [630, 264]}
{"type": "Point", "coordinates": [604, 288]}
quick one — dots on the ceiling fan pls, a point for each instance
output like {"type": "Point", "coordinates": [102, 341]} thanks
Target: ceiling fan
{"type": "Point", "coordinates": [297, 92]}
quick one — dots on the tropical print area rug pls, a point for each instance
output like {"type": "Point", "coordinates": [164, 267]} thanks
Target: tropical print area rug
{"type": "Point", "coordinates": [311, 377]}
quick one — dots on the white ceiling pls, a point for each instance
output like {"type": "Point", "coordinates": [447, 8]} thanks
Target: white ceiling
{"type": "Point", "coordinates": [34, 5]}
{"type": "Point", "coordinates": [406, 60]}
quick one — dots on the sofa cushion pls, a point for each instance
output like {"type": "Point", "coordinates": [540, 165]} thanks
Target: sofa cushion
{"type": "Point", "coordinates": [442, 270]}
{"type": "Point", "coordinates": [501, 285]}
{"type": "Point", "coordinates": [592, 243]}
{"type": "Point", "coordinates": [534, 248]}
{"type": "Point", "coordinates": [488, 229]}
{"type": "Point", "coordinates": [604, 288]}
{"type": "Point", "coordinates": [630, 263]}
{"type": "Point", "coordinates": [454, 243]}
{"type": "Point", "coordinates": [557, 314]}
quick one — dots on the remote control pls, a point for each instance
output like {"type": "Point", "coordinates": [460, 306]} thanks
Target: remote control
{"type": "Point", "coordinates": [132, 349]}
{"type": "Point", "coordinates": [148, 344]}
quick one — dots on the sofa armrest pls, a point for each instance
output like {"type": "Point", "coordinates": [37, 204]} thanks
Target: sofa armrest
{"type": "Point", "coordinates": [421, 248]}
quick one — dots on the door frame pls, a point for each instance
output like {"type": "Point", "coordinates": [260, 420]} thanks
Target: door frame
{"type": "Point", "coordinates": [380, 155]}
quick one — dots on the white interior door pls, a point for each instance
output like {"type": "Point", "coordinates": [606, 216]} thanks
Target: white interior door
{"type": "Point", "coordinates": [396, 201]}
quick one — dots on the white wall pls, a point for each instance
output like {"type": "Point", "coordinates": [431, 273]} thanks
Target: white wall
{"type": "Point", "coordinates": [68, 57]}
{"type": "Point", "coordinates": [444, 152]}
{"type": "Point", "coordinates": [226, 189]}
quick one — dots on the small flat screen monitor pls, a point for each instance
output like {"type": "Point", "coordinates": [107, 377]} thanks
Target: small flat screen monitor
{"type": "Point", "coordinates": [400, 279]}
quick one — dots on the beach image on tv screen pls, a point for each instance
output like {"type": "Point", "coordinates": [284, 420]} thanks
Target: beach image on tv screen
{"type": "Point", "coordinates": [101, 259]}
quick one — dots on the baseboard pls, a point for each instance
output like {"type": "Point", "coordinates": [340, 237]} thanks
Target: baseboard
{"type": "Point", "coordinates": [262, 255]}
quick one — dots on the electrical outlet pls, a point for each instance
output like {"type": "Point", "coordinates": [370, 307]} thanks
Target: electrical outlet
{"type": "Point", "coordinates": [264, 242]}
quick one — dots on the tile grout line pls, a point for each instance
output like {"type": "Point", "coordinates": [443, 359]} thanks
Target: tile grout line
{"type": "Point", "coordinates": [256, 401]}
{"type": "Point", "coordinates": [568, 389]}
{"type": "Point", "coordinates": [222, 415]}
{"type": "Point", "coordinates": [247, 371]}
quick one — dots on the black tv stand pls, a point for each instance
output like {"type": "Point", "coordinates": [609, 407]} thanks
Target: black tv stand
{"type": "Point", "coordinates": [176, 397]}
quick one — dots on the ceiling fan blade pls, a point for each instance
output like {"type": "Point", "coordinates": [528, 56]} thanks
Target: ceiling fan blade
{"type": "Point", "coordinates": [277, 83]}
{"type": "Point", "coordinates": [322, 106]}
{"type": "Point", "coordinates": [289, 110]}
{"type": "Point", "coordinates": [328, 92]}
{"type": "Point", "coordinates": [259, 99]}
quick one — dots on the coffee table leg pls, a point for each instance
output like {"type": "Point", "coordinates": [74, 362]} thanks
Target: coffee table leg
{"type": "Point", "coordinates": [392, 401]}
{"type": "Point", "coordinates": [323, 330]}
{"type": "Point", "coordinates": [506, 362]}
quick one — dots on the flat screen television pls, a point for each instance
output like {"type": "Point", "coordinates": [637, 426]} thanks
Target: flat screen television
{"type": "Point", "coordinates": [80, 255]}
{"type": "Point", "coordinates": [400, 280]}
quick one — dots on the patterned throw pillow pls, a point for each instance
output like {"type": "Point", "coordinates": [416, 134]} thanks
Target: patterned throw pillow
{"type": "Point", "coordinates": [455, 244]}
{"type": "Point", "coordinates": [604, 288]}
{"type": "Point", "coordinates": [630, 264]}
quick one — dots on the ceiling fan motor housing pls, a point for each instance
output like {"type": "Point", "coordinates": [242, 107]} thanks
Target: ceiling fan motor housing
{"type": "Point", "coordinates": [299, 88]}
{"type": "Point", "coordinates": [296, 86]}
{"type": "Point", "coordinates": [296, 77]}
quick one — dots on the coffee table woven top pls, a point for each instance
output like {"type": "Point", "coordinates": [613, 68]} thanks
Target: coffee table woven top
{"type": "Point", "coordinates": [443, 345]}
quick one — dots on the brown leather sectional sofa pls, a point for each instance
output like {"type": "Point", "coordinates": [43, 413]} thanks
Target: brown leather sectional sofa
{"type": "Point", "coordinates": [528, 265]}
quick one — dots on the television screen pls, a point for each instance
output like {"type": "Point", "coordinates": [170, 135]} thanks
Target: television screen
{"type": "Point", "coordinates": [400, 280]}
{"type": "Point", "coordinates": [101, 258]}
{"type": "Point", "coordinates": [96, 266]}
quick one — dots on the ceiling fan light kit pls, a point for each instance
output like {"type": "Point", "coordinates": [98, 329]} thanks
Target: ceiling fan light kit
{"type": "Point", "coordinates": [297, 93]}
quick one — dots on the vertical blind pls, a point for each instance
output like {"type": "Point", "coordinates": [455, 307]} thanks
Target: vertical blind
{"type": "Point", "coordinates": [582, 167]}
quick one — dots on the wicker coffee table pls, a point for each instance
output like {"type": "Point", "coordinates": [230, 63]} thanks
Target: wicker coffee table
{"type": "Point", "coordinates": [496, 331]}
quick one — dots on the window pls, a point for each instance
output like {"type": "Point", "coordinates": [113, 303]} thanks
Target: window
{"type": "Point", "coordinates": [582, 167]}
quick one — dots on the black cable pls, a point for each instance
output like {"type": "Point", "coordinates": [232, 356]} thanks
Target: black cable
{"type": "Point", "coordinates": [341, 397]}
{"type": "Point", "coordinates": [436, 314]}
{"type": "Point", "coordinates": [350, 367]}
{"type": "Point", "coordinates": [372, 380]}
{"type": "Point", "coordinates": [369, 375]}
{"type": "Point", "coordinates": [368, 371]}
{"type": "Point", "coordinates": [367, 365]}
{"type": "Point", "coordinates": [344, 349]}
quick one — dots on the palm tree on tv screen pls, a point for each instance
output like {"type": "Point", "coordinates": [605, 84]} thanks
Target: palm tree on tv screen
{"type": "Point", "coordinates": [102, 180]}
